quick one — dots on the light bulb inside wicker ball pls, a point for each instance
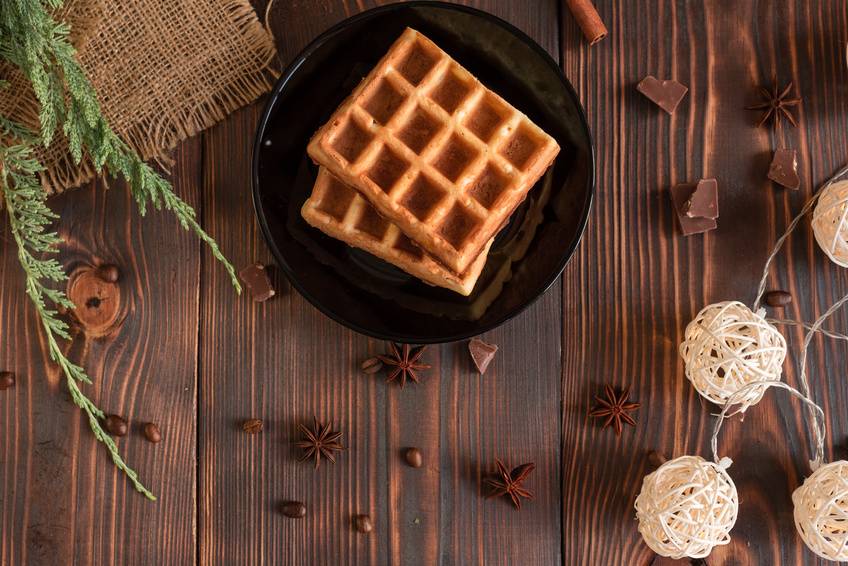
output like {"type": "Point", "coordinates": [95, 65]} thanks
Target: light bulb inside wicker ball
{"type": "Point", "coordinates": [728, 346]}
{"type": "Point", "coordinates": [687, 507]}
{"type": "Point", "coordinates": [821, 511]}
{"type": "Point", "coordinates": [830, 222]}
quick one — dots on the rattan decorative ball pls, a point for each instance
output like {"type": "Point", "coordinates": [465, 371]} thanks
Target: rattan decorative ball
{"type": "Point", "coordinates": [687, 507]}
{"type": "Point", "coordinates": [728, 346]}
{"type": "Point", "coordinates": [821, 511]}
{"type": "Point", "coordinates": [830, 222]}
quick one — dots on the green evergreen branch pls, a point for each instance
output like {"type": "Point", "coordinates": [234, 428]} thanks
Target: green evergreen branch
{"type": "Point", "coordinates": [29, 217]}
{"type": "Point", "coordinates": [39, 47]}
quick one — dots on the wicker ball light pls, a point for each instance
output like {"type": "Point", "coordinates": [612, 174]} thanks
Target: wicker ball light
{"type": "Point", "coordinates": [821, 503]}
{"type": "Point", "coordinates": [821, 511]}
{"type": "Point", "coordinates": [830, 222]}
{"type": "Point", "coordinates": [686, 507]}
{"type": "Point", "coordinates": [728, 346]}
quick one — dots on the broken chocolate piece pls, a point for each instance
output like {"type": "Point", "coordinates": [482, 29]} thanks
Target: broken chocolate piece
{"type": "Point", "coordinates": [256, 280]}
{"type": "Point", "coordinates": [482, 354]}
{"type": "Point", "coordinates": [704, 201]}
{"type": "Point", "coordinates": [784, 169]}
{"type": "Point", "coordinates": [665, 94]}
{"type": "Point", "coordinates": [688, 225]}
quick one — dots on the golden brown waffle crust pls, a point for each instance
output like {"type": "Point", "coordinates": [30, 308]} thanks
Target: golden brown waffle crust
{"type": "Point", "coordinates": [342, 213]}
{"type": "Point", "coordinates": [433, 150]}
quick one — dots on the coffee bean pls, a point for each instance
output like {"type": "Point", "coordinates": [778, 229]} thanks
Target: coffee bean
{"type": "Point", "coordinates": [777, 298]}
{"type": "Point", "coordinates": [372, 365]}
{"type": "Point", "coordinates": [108, 273]}
{"type": "Point", "coordinates": [362, 523]}
{"type": "Point", "coordinates": [151, 433]}
{"type": "Point", "coordinates": [7, 380]}
{"type": "Point", "coordinates": [252, 426]}
{"type": "Point", "coordinates": [656, 459]}
{"type": "Point", "coordinates": [115, 425]}
{"type": "Point", "coordinates": [413, 457]}
{"type": "Point", "coordinates": [294, 509]}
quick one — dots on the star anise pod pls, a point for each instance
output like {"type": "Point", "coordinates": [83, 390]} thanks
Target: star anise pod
{"type": "Point", "coordinates": [404, 363]}
{"type": "Point", "coordinates": [615, 408]}
{"type": "Point", "coordinates": [509, 483]}
{"type": "Point", "coordinates": [319, 441]}
{"type": "Point", "coordinates": [776, 105]}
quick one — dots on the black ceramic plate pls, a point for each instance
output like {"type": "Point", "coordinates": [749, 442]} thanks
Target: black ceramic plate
{"type": "Point", "coordinates": [357, 289]}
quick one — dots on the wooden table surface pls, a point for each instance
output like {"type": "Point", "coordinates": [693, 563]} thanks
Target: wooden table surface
{"type": "Point", "coordinates": [190, 355]}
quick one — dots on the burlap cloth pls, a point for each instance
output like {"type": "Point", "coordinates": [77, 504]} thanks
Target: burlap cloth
{"type": "Point", "coordinates": [163, 69]}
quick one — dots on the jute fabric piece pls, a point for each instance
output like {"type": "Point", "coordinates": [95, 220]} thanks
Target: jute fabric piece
{"type": "Point", "coordinates": [164, 70]}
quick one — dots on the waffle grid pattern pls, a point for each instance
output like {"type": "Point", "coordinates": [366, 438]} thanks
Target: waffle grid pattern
{"type": "Point", "coordinates": [434, 150]}
{"type": "Point", "coordinates": [342, 213]}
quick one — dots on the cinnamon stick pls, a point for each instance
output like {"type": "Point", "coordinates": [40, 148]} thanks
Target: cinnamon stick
{"type": "Point", "coordinates": [588, 19]}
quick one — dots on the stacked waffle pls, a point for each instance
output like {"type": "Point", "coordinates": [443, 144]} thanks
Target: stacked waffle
{"type": "Point", "coordinates": [422, 165]}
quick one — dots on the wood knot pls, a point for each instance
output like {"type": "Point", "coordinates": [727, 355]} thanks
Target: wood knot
{"type": "Point", "coordinates": [98, 302]}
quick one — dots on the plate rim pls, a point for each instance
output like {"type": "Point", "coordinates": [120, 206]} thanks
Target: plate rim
{"type": "Point", "coordinates": [282, 82]}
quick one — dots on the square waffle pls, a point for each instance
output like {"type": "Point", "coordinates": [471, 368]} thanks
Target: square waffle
{"type": "Point", "coordinates": [342, 213]}
{"type": "Point", "coordinates": [433, 150]}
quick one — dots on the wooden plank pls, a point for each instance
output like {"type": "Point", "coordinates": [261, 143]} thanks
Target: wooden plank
{"type": "Point", "coordinates": [636, 281]}
{"type": "Point", "coordinates": [510, 413]}
{"type": "Point", "coordinates": [61, 499]}
{"type": "Point", "coordinates": [283, 361]}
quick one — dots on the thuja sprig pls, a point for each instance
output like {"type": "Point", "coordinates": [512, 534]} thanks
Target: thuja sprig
{"type": "Point", "coordinates": [39, 46]}
{"type": "Point", "coordinates": [34, 42]}
{"type": "Point", "coordinates": [29, 218]}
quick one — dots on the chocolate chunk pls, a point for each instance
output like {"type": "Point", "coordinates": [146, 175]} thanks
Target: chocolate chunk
{"type": "Point", "coordinates": [777, 298]}
{"type": "Point", "coordinates": [784, 169]}
{"type": "Point", "coordinates": [665, 94]}
{"type": "Point", "coordinates": [256, 280]}
{"type": "Point", "coordinates": [482, 354]}
{"type": "Point", "coordinates": [704, 201]}
{"type": "Point", "coordinates": [679, 196]}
